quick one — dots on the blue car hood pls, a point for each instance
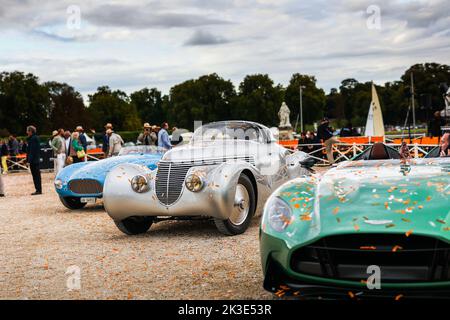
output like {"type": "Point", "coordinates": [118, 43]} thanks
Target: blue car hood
{"type": "Point", "coordinates": [99, 169]}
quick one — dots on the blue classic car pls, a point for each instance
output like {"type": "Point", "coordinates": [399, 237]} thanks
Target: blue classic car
{"type": "Point", "coordinates": [82, 183]}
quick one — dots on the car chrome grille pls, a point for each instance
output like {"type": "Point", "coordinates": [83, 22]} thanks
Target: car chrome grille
{"type": "Point", "coordinates": [400, 258]}
{"type": "Point", "coordinates": [169, 181]}
{"type": "Point", "coordinates": [86, 186]}
{"type": "Point", "coordinates": [171, 176]}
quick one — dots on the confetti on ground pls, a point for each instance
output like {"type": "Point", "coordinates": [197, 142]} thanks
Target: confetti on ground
{"type": "Point", "coordinates": [398, 297]}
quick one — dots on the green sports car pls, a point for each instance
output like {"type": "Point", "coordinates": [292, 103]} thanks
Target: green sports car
{"type": "Point", "coordinates": [370, 228]}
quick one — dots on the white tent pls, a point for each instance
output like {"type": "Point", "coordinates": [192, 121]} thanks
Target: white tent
{"type": "Point", "coordinates": [375, 124]}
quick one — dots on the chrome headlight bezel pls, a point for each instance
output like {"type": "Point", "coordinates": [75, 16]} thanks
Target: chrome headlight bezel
{"type": "Point", "coordinates": [279, 214]}
{"type": "Point", "coordinates": [140, 184]}
{"type": "Point", "coordinates": [58, 184]}
{"type": "Point", "coordinates": [194, 182]}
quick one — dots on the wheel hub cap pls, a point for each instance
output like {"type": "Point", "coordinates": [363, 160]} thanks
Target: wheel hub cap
{"type": "Point", "coordinates": [241, 206]}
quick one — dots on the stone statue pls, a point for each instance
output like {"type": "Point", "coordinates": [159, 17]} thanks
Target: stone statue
{"type": "Point", "coordinates": [446, 111]}
{"type": "Point", "coordinates": [447, 99]}
{"type": "Point", "coordinates": [283, 114]}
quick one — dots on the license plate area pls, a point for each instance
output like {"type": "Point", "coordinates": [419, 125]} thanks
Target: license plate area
{"type": "Point", "coordinates": [88, 200]}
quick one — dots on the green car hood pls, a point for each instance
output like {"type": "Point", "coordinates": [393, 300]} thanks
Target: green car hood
{"type": "Point", "coordinates": [369, 197]}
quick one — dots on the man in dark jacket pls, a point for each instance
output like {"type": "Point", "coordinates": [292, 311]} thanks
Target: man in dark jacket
{"type": "Point", "coordinates": [34, 158]}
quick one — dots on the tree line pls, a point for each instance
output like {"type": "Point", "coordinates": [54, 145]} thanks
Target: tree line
{"type": "Point", "coordinates": [25, 100]}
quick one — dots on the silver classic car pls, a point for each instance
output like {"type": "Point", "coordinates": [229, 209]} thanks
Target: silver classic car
{"type": "Point", "coordinates": [226, 172]}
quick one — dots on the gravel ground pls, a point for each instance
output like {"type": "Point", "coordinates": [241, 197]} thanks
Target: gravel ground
{"type": "Point", "coordinates": [41, 239]}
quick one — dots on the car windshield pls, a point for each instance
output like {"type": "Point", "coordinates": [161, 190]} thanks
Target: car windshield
{"type": "Point", "coordinates": [232, 130]}
{"type": "Point", "coordinates": [141, 150]}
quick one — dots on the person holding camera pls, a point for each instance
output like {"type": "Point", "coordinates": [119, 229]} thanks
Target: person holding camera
{"type": "Point", "coordinates": [148, 136]}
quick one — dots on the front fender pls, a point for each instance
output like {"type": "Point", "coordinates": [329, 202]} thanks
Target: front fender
{"type": "Point", "coordinates": [226, 176]}
{"type": "Point", "coordinates": [119, 198]}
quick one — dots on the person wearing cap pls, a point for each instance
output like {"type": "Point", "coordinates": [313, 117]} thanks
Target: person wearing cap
{"type": "Point", "coordinates": [325, 133]}
{"type": "Point", "coordinates": [115, 143]}
{"type": "Point", "coordinates": [59, 150]}
{"type": "Point", "coordinates": [82, 137]}
{"type": "Point", "coordinates": [105, 146]}
{"type": "Point", "coordinates": [148, 136]}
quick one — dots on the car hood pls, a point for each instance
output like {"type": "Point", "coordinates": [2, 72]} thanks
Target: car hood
{"type": "Point", "coordinates": [99, 169]}
{"type": "Point", "coordinates": [372, 197]}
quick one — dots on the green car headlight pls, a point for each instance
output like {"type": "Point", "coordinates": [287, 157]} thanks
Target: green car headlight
{"type": "Point", "coordinates": [58, 184]}
{"type": "Point", "coordinates": [279, 214]}
{"type": "Point", "coordinates": [140, 184]}
{"type": "Point", "coordinates": [194, 183]}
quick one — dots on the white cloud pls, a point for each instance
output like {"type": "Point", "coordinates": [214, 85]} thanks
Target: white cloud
{"type": "Point", "coordinates": [157, 43]}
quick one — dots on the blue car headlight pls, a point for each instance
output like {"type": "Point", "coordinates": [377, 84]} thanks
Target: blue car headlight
{"type": "Point", "coordinates": [279, 214]}
{"type": "Point", "coordinates": [59, 184]}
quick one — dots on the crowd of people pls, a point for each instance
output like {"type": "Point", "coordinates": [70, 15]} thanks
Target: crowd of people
{"type": "Point", "coordinates": [71, 147]}
{"type": "Point", "coordinates": [312, 141]}
{"type": "Point", "coordinates": [326, 136]}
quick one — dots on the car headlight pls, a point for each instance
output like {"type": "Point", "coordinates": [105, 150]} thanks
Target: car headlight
{"type": "Point", "coordinates": [140, 184]}
{"type": "Point", "coordinates": [58, 184]}
{"type": "Point", "coordinates": [279, 214]}
{"type": "Point", "coordinates": [194, 183]}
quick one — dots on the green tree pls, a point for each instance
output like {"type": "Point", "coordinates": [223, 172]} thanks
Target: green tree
{"type": "Point", "coordinates": [67, 106]}
{"type": "Point", "coordinates": [428, 78]}
{"type": "Point", "coordinates": [149, 104]}
{"type": "Point", "coordinates": [314, 99]}
{"type": "Point", "coordinates": [335, 105]}
{"type": "Point", "coordinates": [23, 101]}
{"type": "Point", "coordinates": [114, 107]}
{"type": "Point", "coordinates": [258, 100]}
{"type": "Point", "coordinates": [394, 102]}
{"type": "Point", "coordinates": [204, 99]}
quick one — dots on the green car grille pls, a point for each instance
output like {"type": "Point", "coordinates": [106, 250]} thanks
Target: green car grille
{"type": "Point", "coordinates": [401, 259]}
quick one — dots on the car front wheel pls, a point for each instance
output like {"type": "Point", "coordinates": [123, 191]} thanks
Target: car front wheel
{"type": "Point", "coordinates": [243, 209]}
{"type": "Point", "coordinates": [72, 203]}
{"type": "Point", "coordinates": [134, 225]}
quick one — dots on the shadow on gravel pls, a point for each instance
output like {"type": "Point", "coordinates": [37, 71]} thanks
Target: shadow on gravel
{"type": "Point", "coordinates": [91, 209]}
{"type": "Point", "coordinates": [197, 229]}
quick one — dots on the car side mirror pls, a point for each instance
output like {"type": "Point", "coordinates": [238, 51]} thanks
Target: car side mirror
{"type": "Point", "coordinates": [308, 163]}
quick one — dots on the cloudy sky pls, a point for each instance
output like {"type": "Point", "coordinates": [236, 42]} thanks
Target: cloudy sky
{"type": "Point", "coordinates": [135, 44]}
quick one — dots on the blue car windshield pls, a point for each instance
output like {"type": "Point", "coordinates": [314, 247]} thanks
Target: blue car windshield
{"type": "Point", "coordinates": [141, 150]}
